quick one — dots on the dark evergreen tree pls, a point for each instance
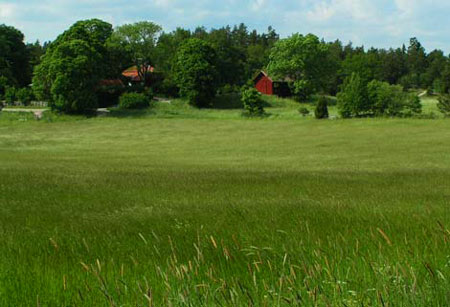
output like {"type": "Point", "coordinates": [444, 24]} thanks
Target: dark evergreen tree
{"type": "Point", "coordinates": [321, 111]}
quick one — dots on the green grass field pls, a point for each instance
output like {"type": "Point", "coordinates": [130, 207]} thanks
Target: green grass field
{"type": "Point", "coordinates": [182, 207]}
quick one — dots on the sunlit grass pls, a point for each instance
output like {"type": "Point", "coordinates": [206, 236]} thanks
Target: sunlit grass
{"type": "Point", "coordinates": [185, 207]}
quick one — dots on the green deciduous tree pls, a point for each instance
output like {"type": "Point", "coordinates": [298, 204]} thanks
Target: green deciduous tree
{"type": "Point", "coordinates": [73, 65]}
{"type": "Point", "coordinates": [74, 74]}
{"type": "Point", "coordinates": [352, 99]}
{"type": "Point", "coordinates": [303, 59]}
{"type": "Point", "coordinates": [14, 57]}
{"type": "Point", "coordinates": [139, 41]}
{"type": "Point", "coordinates": [195, 72]}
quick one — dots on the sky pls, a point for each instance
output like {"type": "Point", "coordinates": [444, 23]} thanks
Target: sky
{"type": "Point", "coordinates": [377, 23]}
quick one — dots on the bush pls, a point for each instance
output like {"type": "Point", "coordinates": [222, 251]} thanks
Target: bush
{"type": "Point", "coordinates": [391, 100]}
{"type": "Point", "coordinates": [10, 95]}
{"type": "Point", "coordinates": [252, 101]}
{"type": "Point", "coordinates": [376, 98]}
{"type": "Point", "coordinates": [444, 104]}
{"type": "Point", "coordinates": [134, 101]}
{"type": "Point", "coordinates": [303, 111]}
{"type": "Point", "coordinates": [25, 96]}
{"type": "Point", "coordinates": [385, 99]}
{"type": "Point", "coordinates": [413, 104]}
{"type": "Point", "coordinates": [321, 111]}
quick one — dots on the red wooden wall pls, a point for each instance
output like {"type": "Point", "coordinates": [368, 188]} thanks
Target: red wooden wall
{"type": "Point", "coordinates": [264, 85]}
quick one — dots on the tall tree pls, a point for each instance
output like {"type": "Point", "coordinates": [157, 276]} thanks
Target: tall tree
{"type": "Point", "coordinates": [139, 40]}
{"type": "Point", "coordinates": [14, 57]}
{"type": "Point", "coordinates": [73, 68]}
{"type": "Point", "coordinates": [436, 64]}
{"type": "Point", "coordinates": [353, 98]}
{"type": "Point", "coordinates": [417, 61]}
{"type": "Point", "coordinates": [231, 55]}
{"type": "Point", "coordinates": [167, 46]}
{"type": "Point", "coordinates": [73, 65]}
{"type": "Point", "coordinates": [195, 72]}
{"type": "Point", "coordinates": [301, 59]}
{"type": "Point", "coordinates": [393, 65]}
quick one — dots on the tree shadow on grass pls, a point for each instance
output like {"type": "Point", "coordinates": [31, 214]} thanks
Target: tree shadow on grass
{"type": "Point", "coordinates": [227, 102]}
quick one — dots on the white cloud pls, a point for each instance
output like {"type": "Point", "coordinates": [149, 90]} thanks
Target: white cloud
{"type": "Point", "coordinates": [7, 10]}
{"type": "Point", "coordinates": [258, 5]}
{"type": "Point", "coordinates": [321, 12]}
{"type": "Point", "coordinates": [358, 10]}
{"type": "Point", "coordinates": [163, 3]}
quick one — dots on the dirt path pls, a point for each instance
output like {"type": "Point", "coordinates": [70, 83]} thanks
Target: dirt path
{"type": "Point", "coordinates": [37, 112]}
{"type": "Point", "coordinates": [163, 100]}
{"type": "Point", "coordinates": [422, 94]}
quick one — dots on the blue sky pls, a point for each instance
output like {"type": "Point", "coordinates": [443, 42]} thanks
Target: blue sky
{"type": "Point", "coordinates": [379, 23]}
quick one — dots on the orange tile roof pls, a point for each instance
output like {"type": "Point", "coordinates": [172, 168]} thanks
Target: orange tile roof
{"type": "Point", "coordinates": [133, 74]}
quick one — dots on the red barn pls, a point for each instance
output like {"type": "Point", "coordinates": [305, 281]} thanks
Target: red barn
{"type": "Point", "coordinates": [266, 85]}
{"type": "Point", "coordinates": [263, 83]}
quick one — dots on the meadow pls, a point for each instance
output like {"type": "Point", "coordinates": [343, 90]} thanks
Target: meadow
{"type": "Point", "coordinates": [183, 207]}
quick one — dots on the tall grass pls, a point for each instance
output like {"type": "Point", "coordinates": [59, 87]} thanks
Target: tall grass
{"type": "Point", "coordinates": [188, 212]}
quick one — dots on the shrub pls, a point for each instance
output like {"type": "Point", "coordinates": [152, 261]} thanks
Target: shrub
{"type": "Point", "coordinates": [252, 101]}
{"type": "Point", "coordinates": [303, 111]}
{"type": "Point", "coordinates": [25, 96]}
{"type": "Point", "coordinates": [376, 98]}
{"type": "Point", "coordinates": [10, 95]}
{"type": "Point", "coordinates": [134, 101]}
{"type": "Point", "coordinates": [413, 104]}
{"type": "Point", "coordinates": [385, 99]}
{"type": "Point", "coordinates": [391, 100]}
{"type": "Point", "coordinates": [444, 104]}
{"type": "Point", "coordinates": [321, 111]}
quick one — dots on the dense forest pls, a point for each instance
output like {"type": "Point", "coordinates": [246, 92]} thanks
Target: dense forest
{"type": "Point", "coordinates": [70, 67]}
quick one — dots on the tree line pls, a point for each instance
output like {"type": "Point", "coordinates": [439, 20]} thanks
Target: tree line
{"type": "Point", "coordinates": [200, 63]}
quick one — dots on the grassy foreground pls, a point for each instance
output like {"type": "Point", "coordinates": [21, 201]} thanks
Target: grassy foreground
{"type": "Point", "coordinates": [201, 212]}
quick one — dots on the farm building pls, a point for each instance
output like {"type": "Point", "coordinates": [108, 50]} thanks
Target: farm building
{"type": "Point", "coordinates": [266, 85]}
{"type": "Point", "coordinates": [132, 73]}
